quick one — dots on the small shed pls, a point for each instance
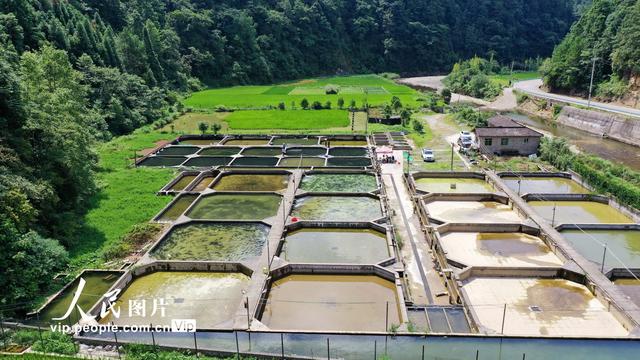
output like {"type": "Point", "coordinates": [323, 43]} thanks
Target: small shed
{"type": "Point", "coordinates": [504, 136]}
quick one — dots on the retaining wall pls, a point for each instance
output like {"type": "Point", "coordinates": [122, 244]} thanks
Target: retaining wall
{"type": "Point", "coordinates": [608, 125]}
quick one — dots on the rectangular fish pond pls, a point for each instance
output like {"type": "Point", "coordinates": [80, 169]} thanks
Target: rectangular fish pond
{"type": "Point", "coordinates": [348, 162]}
{"type": "Point", "coordinates": [348, 152]}
{"type": "Point", "coordinates": [295, 141]}
{"type": "Point", "coordinates": [252, 182]}
{"type": "Point", "coordinates": [623, 246]}
{"type": "Point", "coordinates": [208, 297]}
{"type": "Point", "coordinates": [207, 161]}
{"type": "Point", "coordinates": [544, 185]}
{"type": "Point", "coordinates": [246, 142]}
{"type": "Point", "coordinates": [235, 207]}
{"type": "Point", "coordinates": [162, 161]}
{"type": "Point", "coordinates": [472, 212]}
{"type": "Point", "coordinates": [332, 303]}
{"type": "Point", "coordinates": [631, 288]}
{"type": "Point", "coordinates": [178, 150]}
{"type": "Point", "coordinates": [213, 242]}
{"type": "Point", "coordinates": [182, 183]}
{"type": "Point", "coordinates": [453, 185]}
{"type": "Point", "coordinates": [204, 183]}
{"type": "Point", "coordinates": [579, 212]}
{"type": "Point", "coordinates": [255, 161]}
{"type": "Point", "coordinates": [335, 246]}
{"type": "Point", "coordinates": [337, 208]}
{"type": "Point", "coordinates": [97, 284]}
{"type": "Point", "coordinates": [262, 151]}
{"type": "Point", "coordinates": [220, 151]}
{"type": "Point", "coordinates": [363, 183]}
{"type": "Point", "coordinates": [305, 162]}
{"type": "Point", "coordinates": [177, 207]}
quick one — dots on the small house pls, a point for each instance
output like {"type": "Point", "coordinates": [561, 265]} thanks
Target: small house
{"type": "Point", "coordinates": [504, 136]}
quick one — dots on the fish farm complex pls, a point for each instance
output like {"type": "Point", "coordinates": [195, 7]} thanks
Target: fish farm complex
{"type": "Point", "coordinates": [311, 247]}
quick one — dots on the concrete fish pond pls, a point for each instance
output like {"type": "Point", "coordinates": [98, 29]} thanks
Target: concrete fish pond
{"type": "Point", "coordinates": [255, 162]}
{"type": "Point", "coordinates": [452, 185]}
{"type": "Point", "coordinates": [252, 182]}
{"type": "Point", "coordinates": [207, 161]}
{"type": "Point", "coordinates": [579, 212]}
{"type": "Point", "coordinates": [349, 161]}
{"type": "Point", "coordinates": [472, 212]}
{"type": "Point", "coordinates": [208, 297]}
{"type": "Point", "coordinates": [623, 246]}
{"type": "Point", "coordinates": [332, 303]}
{"type": "Point", "coordinates": [213, 242]}
{"type": "Point", "coordinates": [348, 152]}
{"type": "Point", "coordinates": [335, 246]}
{"type": "Point", "coordinates": [182, 183]}
{"type": "Point", "coordinates": [301, 162]}
{"type": "Point", "coordinates": [631, 288]}
{"type": "Point", "coordinates": [353, 183]}
{"type": "Point", "coordinates": [162, 161]}
{"type": "Point", "coordinates": [262, 151]}
{"type": "Point", "coordinates": [177, 207]}
{"type": "Point", "coordinates": [235, 207]}
{"type": "Point", "coordinates": [97, 283]}
{"type": "Point", "coordinates": [337, 208]}
{"type": "Point", "coordinates": [178, 150]}
{"type": "Point", "coordinates": [220, 151]}
{"type": "Point", "coordinates": [544, 185]}
{"type": "Point", "coordinates": [295, 141]}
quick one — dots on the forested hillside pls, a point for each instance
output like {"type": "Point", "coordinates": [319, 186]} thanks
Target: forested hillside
{"type": "Point", "coordinates": [76, 72]}
{"type": "Point", "coordinates": [608, 31]}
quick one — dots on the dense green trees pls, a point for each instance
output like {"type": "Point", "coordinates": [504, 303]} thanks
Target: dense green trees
{"type": "Point", "coordinates": [608, 31]}
{"type": "Point", "coordinates": [471, 77]}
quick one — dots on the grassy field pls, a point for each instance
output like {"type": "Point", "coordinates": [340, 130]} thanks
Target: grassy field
{"type": "Point", "coordinates": [128, 196]}
{"type": "Point", "coordinates": [503, 80]}
{"type": "Point", "coordinates": [374, 89]}
{"type": "Point", "coordinates": [288, 119]}
{"type": "Point", "coordinates": [188, 123]}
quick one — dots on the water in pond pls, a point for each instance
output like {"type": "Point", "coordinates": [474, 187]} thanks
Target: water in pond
{"type": "Point", "coordinates": [255, 161]}
{"type": "Point", "coordinates": [262, 151]}
{"type": "Point", "coordinates": [453, 185]}
{"type": "Point", "coordinates": [182, 183]}
{"type": "Point", "coordinates": [177, 207]}
{"type": "Point", "coordinates": [213, 242]}
{"type": "Point", "coordinates": [631, 288]}
{"type": "Point", "coordinates": [235, 207]}
{"type": "Point", "coordinates": [204, 183]}
{"type": "Point", "coordinates": [336, 246]}
{"type": "Point", "coordinates": [579, 212]}
{"type": "Point", "coordinates": [247, 142]}
{"type": "Point", "coordinates": [331, 302]}
{"type": "Point", "coordinates": [339, 183]}
{"type": "Point", "coordinates": [625, 244]}
{"type": "Point", "coordinates": [333, 142]}
{"type": "Point", "coordinates": [97, 284]}
{"type": "Point", "coordinates": [207, 161]}
{"type": "Point", "coordinates": [308, 151]}
{"type": "Point", "coordinates": [163, 161]}
{"type": "Point", "coordinates": [354, 151]}
{"type": "Point", "coordinates": [252, 182]}
{"type": "Point", "coordinates": [201, 142]}
{"type": "Point", "coordinates": [544, 185]}
{"type": "Point", "coordinates": [349, 162]}
{"type": "Point", "coordinates": [178, 150]}
{"type": "Point", "coordinates": [602, 147]}
{"type": "Point", "coordinates": [301, 162]}
{"type": "Point", "coordinates": [337, 208]}
{"type": "Point", "coordinates": [472, 212]}
{"type": "Point", "coordinates": [295, 141]}
{"type": "Point", "coordinates": [210, 298]}
{"type": "Point", "coordinates": [220, 151]}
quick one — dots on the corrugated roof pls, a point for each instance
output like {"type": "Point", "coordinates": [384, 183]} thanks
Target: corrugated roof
{"type": "Point", "coordinates": [520, 131]}
{"type": "Point", "coordinates": [502, 121]}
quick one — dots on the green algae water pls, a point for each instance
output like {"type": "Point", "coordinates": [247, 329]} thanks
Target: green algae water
{"type": "Point", "coordinates": [235, 207]}
{"type": "Point", "coordinates": [178, 150]}
{"type": "Point", "coordinates": [348, 152]}
{"type": "Point", "coordinates": [203, 184]}
{"type": "Point", "coordinates": [207, 161]}
{"type": "Point", "coordinates": [625, 244]}
{"type": "Point", "coordinates": [306, 151]}
{"type": "Point", "coordinates": [334, 208]}
{"type": "Point", "coordinates": [545, 185]}
{"type": "Point", "coordinates": [255, 161]}
{"type": "Point", "coordinates": [579, 212]}
{"type": "Point", "coordinates": [262, 151]}
{"type": "Point", "coordinates": [349, 162]}
{"type": "Point", "coordinates": [346, 142]}
{"type": "Point", "coordinates": [247, 142]}
{"type": "Point", "coordinates": [252, 182]}
{"type": "Point", "coordinates": [453, 185]}
{"type": "Point", "coordinates": [220, 151]}
{"type": "Point", "coordinates": [301, 162]}
{"type": "Point", "coordinates": [339, 183]}
{"type": "Point", "coordinates": [295, 141]}
{"type": "Point", "coordinates": [177, 208]}
{"type": "Point", "coordinates": [331, 302]}
{"type": "Point", "coordinates": [160, 161]}
{"type": "Point", "coordinates": [336, 246]}
{"type": "Point", "coordinates": [210, 298]}
{"type": "Point", "coordinates": [97, 284]}
{"type": "Point", "coordinates": [183, 183]}
{"type": "Point", "coordinates": [213, 242]}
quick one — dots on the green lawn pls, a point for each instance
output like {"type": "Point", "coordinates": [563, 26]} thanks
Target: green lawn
{"type": "Point", "coordinates": [188, 123]}
{"type": "Point", "coordinates": [128, 197]}
{"type": "Point", "coordinates": [503, 80]}
{"type": "Point", "coordinates": [288, 119]}
{"type": "Point", "coordinates": [375, 89]}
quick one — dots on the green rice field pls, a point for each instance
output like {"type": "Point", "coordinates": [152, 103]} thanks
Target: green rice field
{"type": "Point", "coordinates": [290, 119]}
{"type": "Point", "coordinates": [375, 89]}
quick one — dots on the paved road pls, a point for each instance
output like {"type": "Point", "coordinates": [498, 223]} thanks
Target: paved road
{"type": "Point", "coordinates": [533, 87]}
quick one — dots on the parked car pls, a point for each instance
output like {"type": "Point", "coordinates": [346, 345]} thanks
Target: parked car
{"type": "Point", "coordinates": [465, 140]}
{"type": "Point", "coordinates": [428, 155]}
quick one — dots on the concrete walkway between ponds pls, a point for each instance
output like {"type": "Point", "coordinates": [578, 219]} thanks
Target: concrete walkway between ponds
{"type": "Point", "coordinates": [422, 279]}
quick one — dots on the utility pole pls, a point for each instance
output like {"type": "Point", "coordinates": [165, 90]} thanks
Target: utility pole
{"type": "Point", "coordinates": [593, 72]}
